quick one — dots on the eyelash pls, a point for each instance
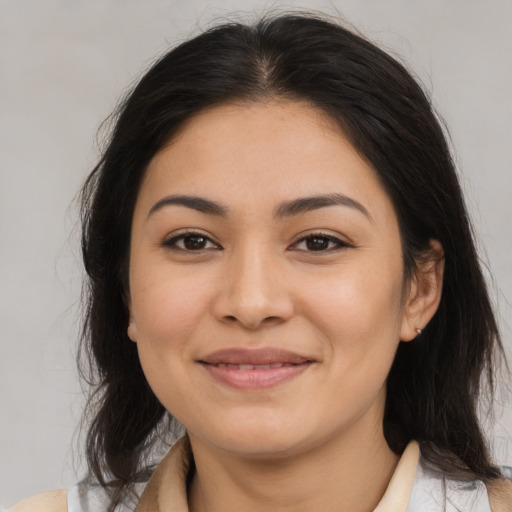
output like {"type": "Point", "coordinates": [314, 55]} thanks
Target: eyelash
{"type": "Point", "coordinates": [173, 242]}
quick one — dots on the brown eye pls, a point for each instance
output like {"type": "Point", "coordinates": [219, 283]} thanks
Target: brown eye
{"type": "Point", "coordinates": [317, 243]}
{"type": "Point", "coordinates": [193, 242]}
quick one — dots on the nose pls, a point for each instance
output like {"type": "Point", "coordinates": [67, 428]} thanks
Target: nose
{"type": "Point", "coordinates": [255, 291]}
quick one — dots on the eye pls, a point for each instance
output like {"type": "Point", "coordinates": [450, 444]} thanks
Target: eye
{"type": "Point", "coordinates": [319, 242]}
{"type": "Point", "coordinates": [190, 242]}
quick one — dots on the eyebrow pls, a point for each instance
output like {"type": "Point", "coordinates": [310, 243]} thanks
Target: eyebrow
{"type": "Point", "coordinates": [287, 209]}
{"type": "Point", "coordinates": [195, 203]}
{"type": "Point", "coordinates": [307, 204]}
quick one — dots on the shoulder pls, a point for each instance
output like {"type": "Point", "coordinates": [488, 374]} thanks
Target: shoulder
{"type": "Point", "coordinates": [50, 501]}
{"type": "Point", "coordinates": [500, 495]}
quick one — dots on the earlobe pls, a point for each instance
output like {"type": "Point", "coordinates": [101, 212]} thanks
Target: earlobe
{"type": "Point", "coordinates": [424, 294]}
{"type": "Point", "coordinates": [132, 328]}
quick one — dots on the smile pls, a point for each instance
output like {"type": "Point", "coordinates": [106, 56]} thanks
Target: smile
{"type": "Point", "coordinates": [253, 366]}
{"type": "Point", "coordinates": [254, 369]}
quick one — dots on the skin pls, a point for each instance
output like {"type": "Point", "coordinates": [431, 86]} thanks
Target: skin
{"type": "Point", "coordinates": [312, 442]}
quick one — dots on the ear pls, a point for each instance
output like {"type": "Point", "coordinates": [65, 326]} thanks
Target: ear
{"type": "Point", "coordinates": [132, 328]}
{"type": "Point", "coordinates": [424, 292]}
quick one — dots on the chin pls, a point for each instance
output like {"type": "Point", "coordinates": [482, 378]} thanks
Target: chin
{"type": "Point", "coordinates": [257, 439]}
{"type": "Point", "coordinates": [261, 447]}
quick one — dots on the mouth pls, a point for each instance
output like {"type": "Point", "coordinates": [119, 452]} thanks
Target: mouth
{"type": "Point", "coordinates": [255, 369]}
{"type": "Point", "coordinates": [244, 367]}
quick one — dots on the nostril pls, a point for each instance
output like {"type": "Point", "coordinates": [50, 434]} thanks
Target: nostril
{"type": "Point", "coordinates": [252, 323]}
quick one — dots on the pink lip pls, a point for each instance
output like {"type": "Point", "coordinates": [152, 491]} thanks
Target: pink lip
{"type": "Point", "coordinates": [273, 366]}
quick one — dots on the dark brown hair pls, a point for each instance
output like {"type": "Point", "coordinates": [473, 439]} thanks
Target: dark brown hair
{"type": "Point", "coordinates": [435, 382]}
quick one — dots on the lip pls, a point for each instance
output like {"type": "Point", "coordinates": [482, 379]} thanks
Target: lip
{"type": "Point", "coordinates": [255, 369]}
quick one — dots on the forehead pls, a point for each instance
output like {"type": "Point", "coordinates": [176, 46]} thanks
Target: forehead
{"type": "Point", "coordinates": [262, 152]}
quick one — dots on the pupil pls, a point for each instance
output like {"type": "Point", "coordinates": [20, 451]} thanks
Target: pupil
{"type": "Point", "coordinates": [317, 244]}
{"type": "Point", "coordinates": [194, 242]}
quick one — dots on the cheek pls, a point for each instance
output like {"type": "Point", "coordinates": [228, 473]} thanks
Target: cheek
{"type": "Point", "coordinates": [167, 308]}
{"type": "Point", "coordinates": [358, 308]}
{"type": "Point", "coordinates": [358, 317]}
{"type": "Point", "coordinates": [167, 311]}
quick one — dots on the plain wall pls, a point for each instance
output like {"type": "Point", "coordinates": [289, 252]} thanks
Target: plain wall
{"type": "Point", "coordinates": [64, 64]}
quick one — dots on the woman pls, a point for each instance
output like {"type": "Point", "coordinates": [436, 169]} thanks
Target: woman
{"type": "Point", "coordinates": [279, 257]}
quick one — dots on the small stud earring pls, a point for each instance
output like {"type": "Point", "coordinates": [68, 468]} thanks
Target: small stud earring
{"type": "Point", "coordinates": [419, 331]}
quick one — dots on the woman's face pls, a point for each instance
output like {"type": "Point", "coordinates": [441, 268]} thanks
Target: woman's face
{"type": "Point", "coordinates": [266, 280]}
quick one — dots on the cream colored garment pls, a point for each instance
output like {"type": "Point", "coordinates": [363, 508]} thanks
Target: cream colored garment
{"type": "Point", "coordinates": [158, 497]}
{"type": "Point", "coordinates": [166, 490]}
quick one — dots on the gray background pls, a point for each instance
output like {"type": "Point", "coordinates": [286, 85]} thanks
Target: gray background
{"type": "Point", "coordinates": [63, 64]}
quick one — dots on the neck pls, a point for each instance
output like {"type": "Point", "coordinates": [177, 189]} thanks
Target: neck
{"type": "Point", "coordinates": [349, 473]}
